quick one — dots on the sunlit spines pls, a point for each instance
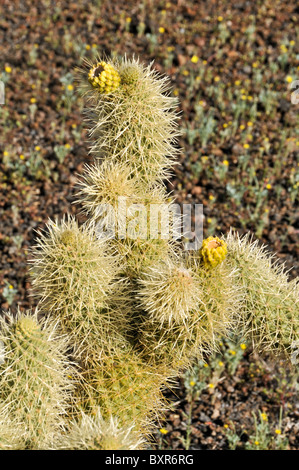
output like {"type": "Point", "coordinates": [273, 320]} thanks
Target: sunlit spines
{"type": "Point", "coordinates": [75, 276]}
{"type": "Point", "coordinates": [168, 291]}
{"type": "Point", "coordinates": [215, 312]}
{"type": "Point", "coordinates": [271, 309]}
{"type": "Point", "coordinates": [103, 187]}
{"type": "Point", "coordinates": [124, 386]}
{"type": "Point", "coordinates": [104, 77]}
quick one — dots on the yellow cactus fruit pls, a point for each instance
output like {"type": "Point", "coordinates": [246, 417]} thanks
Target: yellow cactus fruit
{"type": "Point", "coordinates": [104, 77]}
{"type": "Point", "coordinates": [213, 251]}
{"type": "Point", "coordinates": [95, 433]}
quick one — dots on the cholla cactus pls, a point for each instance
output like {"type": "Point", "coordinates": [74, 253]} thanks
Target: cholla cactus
{"type": "Point", "coordinates": [102, 186]}
{"type": "Point", "coordinates": [104, 77]}
{"type": "Point", "coordinates": [211, 311]}
{"type": "Point", "coordinates": [136, 123]}
{"type": "Point", "coordinates": [95, 433]}
{"type": "Point", "coordinates": [137, 310]}
{"type": "Point", "coordinates": [124, 387]}
{"type": "Point", "coordinates": [212, 252]}
{"type": "Point", "coordinates": [35, 382]}
{"type": "Point", "coordinates": [74, 276]}
{"type": "Point", "coordinates": [169, 292]}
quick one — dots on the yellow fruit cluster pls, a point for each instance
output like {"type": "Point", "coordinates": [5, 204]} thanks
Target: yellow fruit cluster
{"type": "Point", "coordinates": [104, 77]}
{"type": "Point", "coordinates": [213, 251]}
